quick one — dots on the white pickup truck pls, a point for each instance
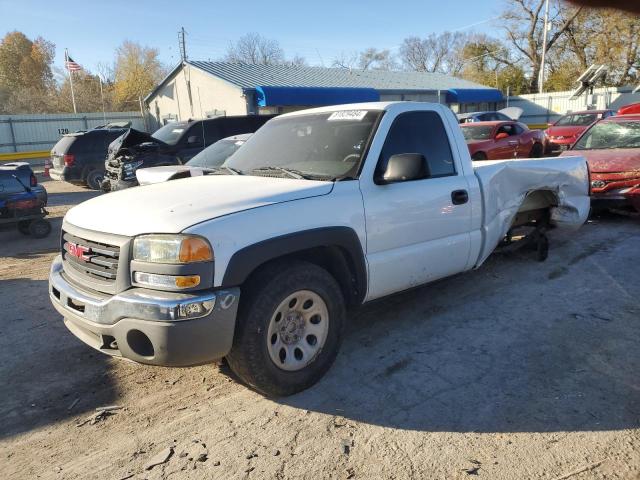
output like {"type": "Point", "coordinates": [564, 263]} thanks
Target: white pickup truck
{"type": "Point", "coordinates": [320, 211]}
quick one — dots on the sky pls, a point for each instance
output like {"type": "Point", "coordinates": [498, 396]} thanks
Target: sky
{"type": "Point", "coordinates": [318, 31]}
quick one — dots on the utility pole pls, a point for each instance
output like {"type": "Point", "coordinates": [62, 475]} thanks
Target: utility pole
{"type": "Point", "coordinates": [182, 44]}
{"type": "Point", "coordinates": [544, 47]}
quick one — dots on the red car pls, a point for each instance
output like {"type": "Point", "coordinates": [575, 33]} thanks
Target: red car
{"type": "Point", "coordinates": [502, 140]}
{"type": "Point", "coordinates": [612, 150]}
{"type": "Point", "coordinates": [564, 133]}
{"type": "Point", "coordinates": [629, 109]}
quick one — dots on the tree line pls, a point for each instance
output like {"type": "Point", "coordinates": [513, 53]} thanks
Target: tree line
{"type": "Point", "coordinates": [30, 83]}
{"type": "Point", "coordinates": [577, 37]}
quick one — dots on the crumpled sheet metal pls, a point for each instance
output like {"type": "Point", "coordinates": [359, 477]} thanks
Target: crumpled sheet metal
{"type": "Point", "coordinates": [506, 183]}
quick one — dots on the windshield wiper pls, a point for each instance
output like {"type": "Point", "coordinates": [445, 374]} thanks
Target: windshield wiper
{"type": "Point", "coordinates": [289, 171]}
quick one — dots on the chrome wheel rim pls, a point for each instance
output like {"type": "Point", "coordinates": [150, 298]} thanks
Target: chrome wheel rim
{"type": "Point", "coordinates": [298, 330]}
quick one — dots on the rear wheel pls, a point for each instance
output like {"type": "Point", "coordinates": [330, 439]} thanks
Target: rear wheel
{"type": "Point", "coordinates": [39, 228]}
{"type": "Point", "coordinates": [23, 227]}
{"type": "Point", "coordinates": [94, 179]}
{"type": "Point", "coordinates": [479, 156]}
{"type": "Point", "coordinates": [289, 328]}
{"type": "Point", "coordinates": [536, 151]}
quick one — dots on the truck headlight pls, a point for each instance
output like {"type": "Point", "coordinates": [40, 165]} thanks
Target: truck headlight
{"type": "Point", "coordinates": [172, 249]}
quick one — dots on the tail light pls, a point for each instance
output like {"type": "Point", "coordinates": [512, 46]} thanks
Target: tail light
{"type": "Point", "coordinates": [69, 160]}
{"type": "Point", "coordinates": [34, 180]}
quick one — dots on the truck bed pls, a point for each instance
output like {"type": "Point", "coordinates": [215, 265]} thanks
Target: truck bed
{"type": "Point", "coordinates": [509, 187]}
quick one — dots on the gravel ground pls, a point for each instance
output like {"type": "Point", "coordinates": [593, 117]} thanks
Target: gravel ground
{"type": "Point", "coordinates": [518, 370]}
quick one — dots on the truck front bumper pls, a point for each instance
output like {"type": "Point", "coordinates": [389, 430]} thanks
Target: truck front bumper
{"type": "Point", "coordinates": [148, 326]}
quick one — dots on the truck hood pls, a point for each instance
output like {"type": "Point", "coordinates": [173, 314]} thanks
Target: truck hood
{"type": "Point", "coordinates": [171, 207]}
{"type": "Point", "coordinates": [135, 140]}
{"type": "Point", "coordinates": [148, 176]}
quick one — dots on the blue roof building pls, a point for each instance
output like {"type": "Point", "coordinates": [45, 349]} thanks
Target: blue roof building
{"type": "Point", "coordinates": [196, 89]}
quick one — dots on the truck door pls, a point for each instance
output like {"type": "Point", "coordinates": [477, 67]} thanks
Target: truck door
{"type": "Point", "coordinates": [417, 231]}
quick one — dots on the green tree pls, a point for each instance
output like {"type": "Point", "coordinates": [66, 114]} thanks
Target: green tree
{"type": "Point", "coordinates": [26, 79]}
{"type": "Point", "coordinates": [86, 88]}
{"type": "Point", "coordinates": [137, 71]}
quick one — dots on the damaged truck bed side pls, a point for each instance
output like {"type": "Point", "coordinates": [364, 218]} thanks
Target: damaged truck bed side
{"type": "Point", "coordinates": [321, 210]}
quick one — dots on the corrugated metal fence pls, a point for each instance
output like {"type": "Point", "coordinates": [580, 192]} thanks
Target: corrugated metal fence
{"type": "Point", "coordinates": [26, 133]}
{"type": "Point", "coordinates": [548, 107]}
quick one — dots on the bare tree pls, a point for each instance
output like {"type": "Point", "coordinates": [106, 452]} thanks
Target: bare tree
{"type": "Point", "coordinates": [434, 53]}
{"type": "Point", "coordinates": [523, 22]}
{"type": "Point", "coordinates": [346, 61]}
{"type": "Point", "coordinates": [374, 59]}
{"type": "Point", "coordinates": [255, 49]}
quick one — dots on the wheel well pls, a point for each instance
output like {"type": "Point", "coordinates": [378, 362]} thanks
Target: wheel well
{"type": "Point", "coordinates": [336, 260]}
{"type": "Point", "coordinates": [536, 206]}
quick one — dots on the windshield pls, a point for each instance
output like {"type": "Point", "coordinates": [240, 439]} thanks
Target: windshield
{"type": "Point", "coordinates": [477, 133]}
{"type": "Point", "coordinates": [325, 145]}
{"type": "Point", "coordinates": [216, 154]}
{"type": "Point", "coordinates": [607, 135]}
{"type": "Point", "coordinates": [170, 133]}
{"type": "Point", "coordinates": [577, 120]}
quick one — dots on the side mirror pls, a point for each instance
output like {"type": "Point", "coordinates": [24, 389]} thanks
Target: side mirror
{"type": "Point", "coordinates": [502, 136]}
{"type": "Point", "coordinates": [192, 139]}
{"type": "Point", "coordinates": [404, 167]}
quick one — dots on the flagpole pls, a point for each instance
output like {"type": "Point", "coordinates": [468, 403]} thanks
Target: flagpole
{"type": "Point", "coordinates": [104, 115]}
{"type": "Point", "coordinates": [73, 96]}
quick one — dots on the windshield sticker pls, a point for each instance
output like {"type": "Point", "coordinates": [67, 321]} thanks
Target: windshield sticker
{"type": "Point", "coordinates": [356, 115]}
{"type": "Point", "coordinates": [177, 130]}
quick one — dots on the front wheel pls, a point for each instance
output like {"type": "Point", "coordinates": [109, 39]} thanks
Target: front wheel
{"type": "Point", "coordinates": [289, 328]}
{"type": "Point", "coordinates": [479, 156]}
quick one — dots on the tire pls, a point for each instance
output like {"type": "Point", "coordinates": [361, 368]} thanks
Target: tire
{"type": "Point", "coordinates": [542, 250]}
{"type": "Point", "coordinates": [479, 156]}
{"type": "Point", "coordinates": [23, 227]}
{"type": "Point", "coordinates": [536, 151]}
{"type": "Point", "coordinates": [95, 179]}
{"type": "Point", "coordinates": [39, 228]}
{"type": "Point", "coordinates": [262, 334]}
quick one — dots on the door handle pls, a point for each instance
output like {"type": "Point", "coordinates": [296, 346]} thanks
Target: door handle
{"type": "Point", "coordinates": [513, 143]}
{"type": "Point", "coordinates": [459, 197]}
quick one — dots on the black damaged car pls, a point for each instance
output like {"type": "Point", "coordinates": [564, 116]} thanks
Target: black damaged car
{"type": "Point", "coordinates": [172, 144]}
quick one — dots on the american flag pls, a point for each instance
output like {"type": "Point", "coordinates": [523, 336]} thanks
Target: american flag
{"type": "Point", "coordinates": [70, 64]}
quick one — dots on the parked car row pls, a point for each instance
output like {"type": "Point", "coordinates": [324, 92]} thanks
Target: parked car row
{"type": "Point", "coordinates": [108, 157]}
{"type": "Point", "coordinates": [200, 147]}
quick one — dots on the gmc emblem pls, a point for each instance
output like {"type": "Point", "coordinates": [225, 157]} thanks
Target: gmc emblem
{"type": "Point", "coordinates": [78, 251]}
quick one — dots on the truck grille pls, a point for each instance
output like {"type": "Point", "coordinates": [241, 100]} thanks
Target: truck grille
{"type": "Point", "coordinates": [98, 261]}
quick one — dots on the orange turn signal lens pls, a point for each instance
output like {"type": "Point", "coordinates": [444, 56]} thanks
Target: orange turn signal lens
{"type": "Point", "coordinates": [189, 281]}
{"type": "Point", "coordinates": [194, 249]}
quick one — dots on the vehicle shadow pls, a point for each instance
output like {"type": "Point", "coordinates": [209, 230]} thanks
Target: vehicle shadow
{"type": "Point", "coordinates": [502, 349]}
{"type": "Point", "coordinates": [71, 198]}
{"type": "Point", "coordinates": [15, 244]}
{"type": "Point", "coordinates": [47, 375]}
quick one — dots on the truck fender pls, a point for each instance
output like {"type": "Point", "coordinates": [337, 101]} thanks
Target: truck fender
{"type": "Point", "coordinates": [327, 239]}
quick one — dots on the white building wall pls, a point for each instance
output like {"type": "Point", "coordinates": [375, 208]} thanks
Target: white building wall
{"type": "Point", "coordinates": [209, 96]}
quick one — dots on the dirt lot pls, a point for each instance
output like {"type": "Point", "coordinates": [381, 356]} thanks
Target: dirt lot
{"type": "Point", "coordinates": [517, 370]}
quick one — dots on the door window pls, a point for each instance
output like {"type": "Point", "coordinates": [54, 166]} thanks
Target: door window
{"type": "Point", "coordinates": [195, 136]}
{"type": "Point", "coordinates": [419, 132]}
